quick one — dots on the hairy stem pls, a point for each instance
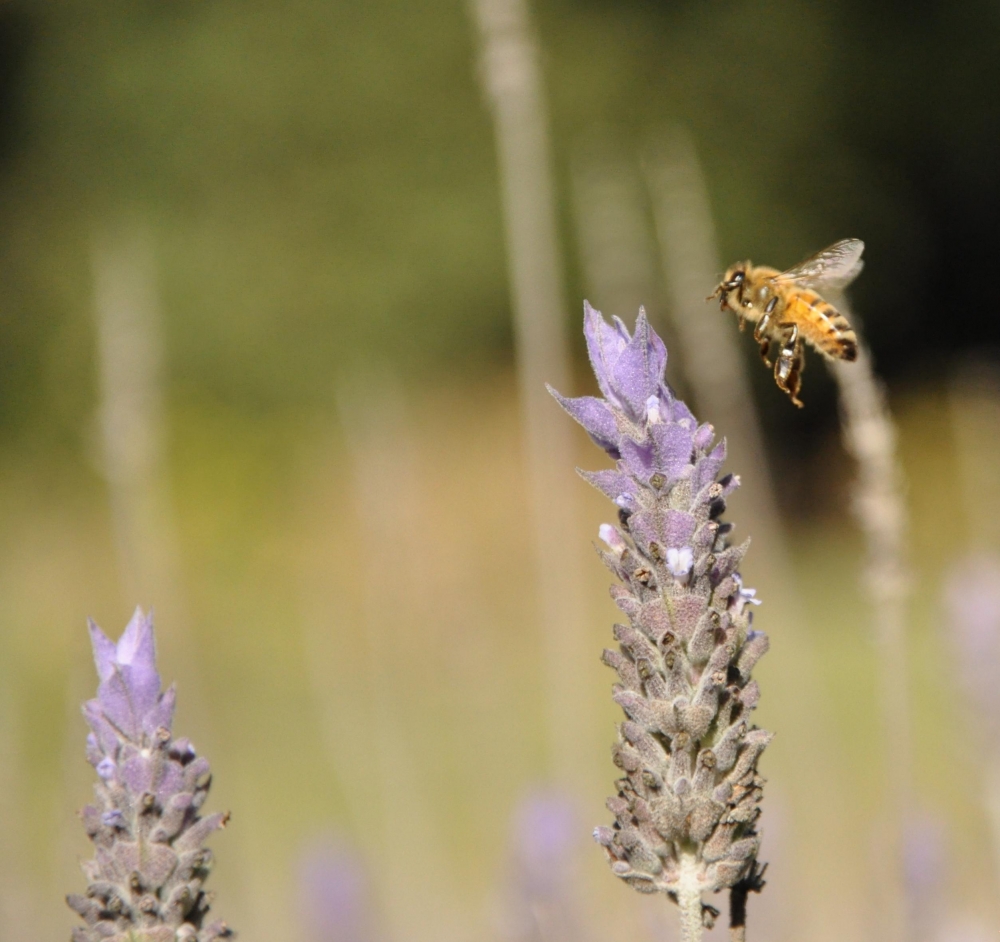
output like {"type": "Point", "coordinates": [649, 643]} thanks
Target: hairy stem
{"type": "Point", "coordinates": [689, 900]}
{"type": "Point", "coordinates": [880, 508]}
{"type": "Point", "coordinates": [511, 76]}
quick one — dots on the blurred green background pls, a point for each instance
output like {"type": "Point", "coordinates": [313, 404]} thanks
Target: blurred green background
{"type": "Point", "coordinates": [329, 513]}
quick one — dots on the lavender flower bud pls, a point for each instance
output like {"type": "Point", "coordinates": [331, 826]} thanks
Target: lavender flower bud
{"type": "Point", "coordinates": [688, 799]}
{"type": "Point", "coordinates": [145, 881]}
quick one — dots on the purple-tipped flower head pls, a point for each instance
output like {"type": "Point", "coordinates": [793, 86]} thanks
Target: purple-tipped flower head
{"type": "Point", "coordinates": [129, 701]}
{"type": "Point", "coordinates": [687, 803]}
{"type": "Point", "coordinates": [147, 874]}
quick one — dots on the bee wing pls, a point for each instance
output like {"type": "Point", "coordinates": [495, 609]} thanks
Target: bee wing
{"type": "Point", "coordinates": [835, 267]}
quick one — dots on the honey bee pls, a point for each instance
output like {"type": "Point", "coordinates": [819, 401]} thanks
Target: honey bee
{"type": "Point", "coordinates": [788, 310]}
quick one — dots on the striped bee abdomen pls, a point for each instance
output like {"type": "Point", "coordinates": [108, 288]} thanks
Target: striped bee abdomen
{"type": "Point", "coordinates": [822, 325]}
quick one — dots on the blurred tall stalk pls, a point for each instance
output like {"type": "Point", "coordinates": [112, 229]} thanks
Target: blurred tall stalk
{"type": "Point", "coordinates": [879, 506]}
{"type": "Point", "coordinates": [510, 73]}
{"type": "Point", "coordinates": [711, 360]}
{"type": "Point", "coordinates": [974, 405]}
{"type": "Point", "coordinates": [131, 418]}
{"type": "Point", "coordinates": [615, 244]}
{"type": "Point", "coordinates": [19, 902]}
{"type": "Point", "coordinates": [131, 414]}
{"type": "Point", "coordinates": [375, 761]}
{"type": "Point", "coordinates": [132, 449]}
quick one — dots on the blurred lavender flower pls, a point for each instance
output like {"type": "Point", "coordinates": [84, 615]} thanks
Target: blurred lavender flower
{"type": "Point", "coordinates": [687, 805]}
{"type": "Point", "coordinates": [925, 869]}
{"type": "Point", "coordinates": [334, 895]}
{"type": "Point", "coordinates": [147, 874]}
{"type": "Point", "coordinates": [972, 600]}
{"type": "Point", "coordinates": [541, 904]}
{"type": "Point", "coordinates": [972, 603]}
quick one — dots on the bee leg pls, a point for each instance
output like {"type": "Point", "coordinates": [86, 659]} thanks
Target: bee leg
{"type": "Point", "coordinates": [722, 290]}
{"type": "Point", "coordinates": [789, 365]}
{"type": "Point", "coordinates": [742, 319]}
{"type": "Point", "coordinates": [788, 371]}
{"type": "Point", "coordinates": [722, 294]}
{"type": "Point", "coordinates": [795, 376]}
{"type": "Point", "coordinates": [765, 347]}
{"type": "Point", "coordinates": [758, 331]}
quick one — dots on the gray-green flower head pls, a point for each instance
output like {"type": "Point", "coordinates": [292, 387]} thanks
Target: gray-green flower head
{"type": "Point", "coordinates": [687, 803]}
{"type": "Point", "coordinates": [145, 881]}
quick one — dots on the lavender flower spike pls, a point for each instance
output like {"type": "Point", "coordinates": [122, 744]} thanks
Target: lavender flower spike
{"type": "Point", "coordinates": [687, 804]}
{"type": "Point", "coordinates": [147, 873]}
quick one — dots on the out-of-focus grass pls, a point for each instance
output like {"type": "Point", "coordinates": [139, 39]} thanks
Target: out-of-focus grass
{"type": "Point", "coordinates": [279, 638]}
{"type": "Point", "coordinates": [323, 181]}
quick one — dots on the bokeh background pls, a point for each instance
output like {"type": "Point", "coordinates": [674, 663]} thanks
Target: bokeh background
{"type": "Point", "coordinates": [258, 371]}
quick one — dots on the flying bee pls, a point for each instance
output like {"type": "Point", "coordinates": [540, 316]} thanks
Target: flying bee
{"type": "Point", "coordinates": [789, 312]}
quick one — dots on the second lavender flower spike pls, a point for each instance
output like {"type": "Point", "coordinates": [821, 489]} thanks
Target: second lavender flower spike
{"type": "Point", "coordinates": [687, 805]}
{"type": "Point", "coordinates": [150, 863]}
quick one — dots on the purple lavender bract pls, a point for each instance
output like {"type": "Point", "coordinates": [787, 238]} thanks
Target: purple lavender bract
{"type": "Point", "coordinates": [686, 808]}
{"type": "Point", "coordinates": [147, 874]}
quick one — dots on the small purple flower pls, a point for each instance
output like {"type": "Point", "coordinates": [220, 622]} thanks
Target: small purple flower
{"type": "Point", "coordinates": [744, 596]}
{"type": "Point", "coordinates": [106, 769]}
{"type": "Point", "coordinates": [612, 539]}
{"type": "Point", "coordinates": [145, 881]}
{"type": "Point", "coordinates": [680, 561]}
{"type": "Point", "coordinates": [113, 818]}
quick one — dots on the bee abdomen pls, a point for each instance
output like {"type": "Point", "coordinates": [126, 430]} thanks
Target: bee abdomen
{"type": "Point", "coordinates": [848, 346]}
{"type": "Point", "coordinates": [829, 330]}
{"type": "Point", "coordinates": [842, 334]}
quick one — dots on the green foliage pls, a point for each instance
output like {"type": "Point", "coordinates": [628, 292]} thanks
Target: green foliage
{"type": "Point", "coordinates": [321, 184]}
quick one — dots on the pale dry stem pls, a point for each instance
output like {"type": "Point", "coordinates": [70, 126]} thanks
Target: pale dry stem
{"type": "Point", "coordinates": [880, 509]}
{"type": "Point", "coordinates": [689, 900]}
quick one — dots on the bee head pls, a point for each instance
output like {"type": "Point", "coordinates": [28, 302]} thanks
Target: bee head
{"type": "Point", "coordinates": [733, 280]}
